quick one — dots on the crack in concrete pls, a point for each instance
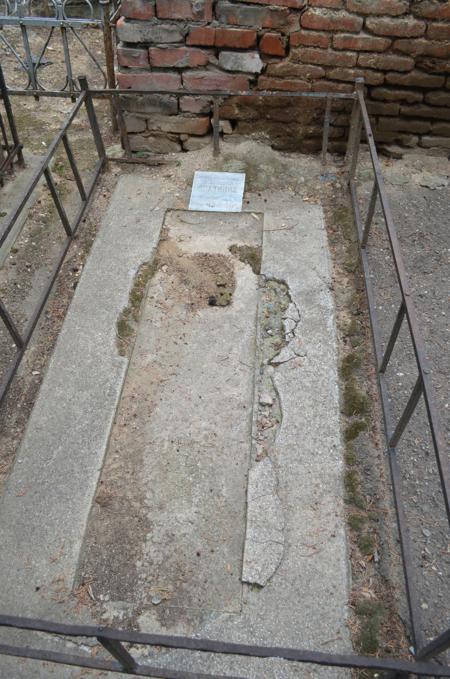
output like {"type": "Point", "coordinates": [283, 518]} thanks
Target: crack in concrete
{"type": "Point", "coordinates": [279, 319]}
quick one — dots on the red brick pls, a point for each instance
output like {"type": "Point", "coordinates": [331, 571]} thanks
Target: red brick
{"type": "Point", "coordinates": [283, 84]}
{"type": "Point", "coordinates": [310, 39]}
{"type": "Point", "coordinates": [335, 4]}
{"type": "Point", "coordinates": [361, 42]}
{"type": "Point", "coordinates": [202, 35]}
{"type": "Point", "coordinates": [422, 111]}
{"type": "Point", "coordinates": [132, 57]}
{"type": "Point", "coordinates": [288, 69]}
{"type": "Point", "coordinates": [422, 46]}
{"type": "Point", "coordinates": [273, 45]}
{"type": "Point", "coordinates": [438, 98]}
{"type": "Point", "coordinates": [404, 125]}
{"type": "Point", "coordinates": [389, 94]}
{"type": "Point", "coordinates": [327, 20]}
{"type": "Point", "coordinates": [255, 16]}
{"type": "Point", "coordinates": [442, 129]}
{"type": "Point", "coordinates": [149, 81]}
{"type": "Point", "coordinates": [235, 38]}
{"type": "Point", "coordinates": [214, 80]}
{"type": "Point", "coordinates": [391, 7]}
{"type": "Point", "coordinates": [195, 104]}
{"type": "Point", "coordinates": [326, 57]}
{"type": "Point", "coordinates": [196, 10]}
{"type": "Point", "coordinates": [429, 9]}
{"type": "Point", "coordinates": [381, 108]}
{"type": "Point", "coordinates": [439, 31]}
{"type": "Point", "coordinates": [415, 79]}
{"type": "Point", "coordinates": [177, 57]}
{"type": "Point", "coordinates": [327, 86]}
{"type": "Point", "coordinates": [179, 124]}
{"type": "Point", "coordinates": [293, 4]}
{"type": "Point", "coordinates": [137, 9]}
{"type": "Point", "coordinates": [401, 28]}
{"type": "Point", "coordinates": [386, 62]}
{"type": "Point", "coordinates": [370, 77]}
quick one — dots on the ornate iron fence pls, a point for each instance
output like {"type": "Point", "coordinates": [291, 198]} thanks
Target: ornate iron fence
{"type": "Point", "coordinates": [10, 146]}
{"type": "Point", "coordinates": [56, 18]}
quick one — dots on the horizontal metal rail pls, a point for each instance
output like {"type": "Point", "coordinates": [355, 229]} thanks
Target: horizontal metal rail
{"type": "Point", "coordinates": [22, 339]}
{"type": "Point", "coordinates": [112, 640]}
{"type": "Point", "coordinates": [423, 387]}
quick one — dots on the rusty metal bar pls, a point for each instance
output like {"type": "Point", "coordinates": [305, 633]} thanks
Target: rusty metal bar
{"type": "Point", "coordinates": [407, 413]}
{"type": "Point", "coordinates": [393, 336]}
{"type": "Point", "coordinates": [109, 59]}
{"type": "Point", "coordinates": [216, 127]}
{"type": "Point", "coordinates": [370, 214]}
{"type": "Point", "coordinates": [120, 653]}
{"type": "Point", "coordinates": [74, 167]}
{"type": "Point", "coordinates": [11, 326]}
{"type": "Point", "coordinates": [326, 130]}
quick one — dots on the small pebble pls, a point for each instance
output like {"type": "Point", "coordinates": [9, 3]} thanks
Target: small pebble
{"type": "Point", "coordinates": [156, 600]}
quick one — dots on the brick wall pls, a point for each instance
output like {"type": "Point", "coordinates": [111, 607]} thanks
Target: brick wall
{"type": "Point", "coordinates": [400, 47]}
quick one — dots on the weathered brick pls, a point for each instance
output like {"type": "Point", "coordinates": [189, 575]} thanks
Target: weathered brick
{"type": "Point", "coordinates": [195, 10]}
{"type": "Point", "coordinates": [310, 39]}
{"type": "Point", "coordinates": [386, 94]}
{"type": "Point", "coordinates": [422, 111]}
{"type": "Point", "coordinates": [430, 9]}
{"type": "Point", "coordinates": [137, 9]}
{"type": "Point", "coordinates": [381, 108]}
{"type": "Point", "coordinates": [177, 57]}
{"type": "Point", "coordinates": [361, 42]}
{"type": "Point", "coordinates": [149, 81]}
{"type": "Point", "coordinates": [154, 143]}
{"type": "Point", "coordinates": [325, 57]}
{"type": "Point", "coordinates": [401, 28]}
{"type": "Point", "coordinates": [332, 4]}
{"type": "Point", "coordinates": [273, 45]}
{"type": "Point", "coordinates": [134, 123]}
{"type": "Point", "coordinates": [256, 17]}
{"type": "Point", "coordinates": [283, 84]}
{"type": "Point", "coordinates": [329, 86]}
{"type": "Point", "coordinates": [132, 57]}
{"type": "Point", "coordinates": [433, 65]}
{"type": "Point", "coordinates": [438, 98]}
{"type": "Point", "coordinates": [390, 7]}
{"type": "Point", "coordinates": [442, 129]}
{"type": "Point", "coordinates": [141, 31]}
{"type": "Point", "coordinates": [415, 79]}
{"type": "Point", "coordinates": [386, 62]}
{"type": "Point", "coordinates": [246, 62]}
{"type": "Point", "coordinates": [150, 103]}
{"type": "Point", "coordinates": [235, 38]}
{"type": "Point", "coordinates": [195, 104]}
{"type": "Point", "coordinates": [439, 31]}
{"type": "Point", "coordinates": [422, 46]}
{"type": "Point", "coordinates": [196, 143]}
{"type": "Point", "coordinates": [404, 125]}
{"type": "Point", "coordinates": [203, 36]}
{"type": "Point", "coordinates": [438, 142]}
{"type": "Point", "coordinates": [370, 77]}
{"type": "Point", "coordinates": [401, 138]}
{"type": "Point", "coordinates": [328, 20]}
{"type": "Point", "coordinates": [179, 124]}
{"type": "Point", "coordinates": [293, 4]}
{"type": "Point", "coordinates": [214, 80]}
{"type": "Point", "coordinates": [288, 69]}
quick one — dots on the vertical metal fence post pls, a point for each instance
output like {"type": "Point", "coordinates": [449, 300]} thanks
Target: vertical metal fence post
{"type": "Point", "coordinates": [105, 6]}
{"type": "Point", "coordinates": [216, 127]}
{"type": "Point", "coordinates": [10, 116]}
{"type": "Point", "coordinates": [354, 136]}
{"type": "Point", "coordinates": [92, 118]}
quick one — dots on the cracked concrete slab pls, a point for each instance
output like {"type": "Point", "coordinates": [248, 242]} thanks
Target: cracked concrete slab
{"type": "Point", "coordinates": [45, 506]}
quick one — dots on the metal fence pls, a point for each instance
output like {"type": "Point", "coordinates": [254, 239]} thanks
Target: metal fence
{"type": "Point", "coordinates": [117, 643]}
{"type": "Point", "coordinates": [10, 146]}
{"type": "Point", "coordinates": [22, 339]}
{"type": "Point", "coordinates": [423, 387]}
{"type": "Point", "coordinates": [66, 19]}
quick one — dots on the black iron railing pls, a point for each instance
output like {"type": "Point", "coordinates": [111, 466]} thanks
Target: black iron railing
{"type": "Point", "coordinates": [22, 339]}
{"type": "Point", "coordinates": [10, 146]}
{"type": "Point", "coordinates": [423, 387]}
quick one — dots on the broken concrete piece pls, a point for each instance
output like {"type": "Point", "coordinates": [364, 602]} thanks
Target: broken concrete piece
{"type": "Point", "coordinates": [264, 543]}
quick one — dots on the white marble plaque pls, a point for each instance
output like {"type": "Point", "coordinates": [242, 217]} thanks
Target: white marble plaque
{"type": "Point", "coordinates": [217, 191]}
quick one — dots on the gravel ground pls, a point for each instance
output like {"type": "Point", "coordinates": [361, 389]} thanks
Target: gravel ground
{"type": "Point", "coordinates": [423, 225]}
